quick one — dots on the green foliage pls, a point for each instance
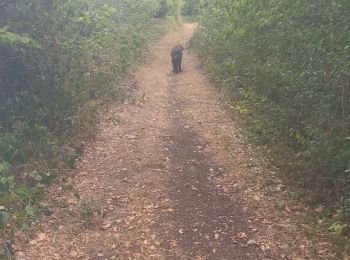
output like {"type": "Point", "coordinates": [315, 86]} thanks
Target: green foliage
{"type": "Point", "coordinates": [13, 39]}
{"type": "Point", "coordinates": [5, 179]}
{"type": "Point", "coordinates": [191, 8]}
{"type": "Point", "coordinates": [170, 8]}
{"type": "Point", "coordinates": [284, 66]}
{"type": "Point", "coordinates": [58, 60]}
{"type": "Point", "coordinates": [4, 216]}
{"type": "Point", "coordinates": [337, 228]}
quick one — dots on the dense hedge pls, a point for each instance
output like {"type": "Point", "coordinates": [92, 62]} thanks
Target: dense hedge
{"type": "Point", "coordinates": [285, 66]}
{"type": "Point", "coordinates": [191, 8]}
{"type": "Point", "coordinates": [170, 8]}
{"type": "Point", "coordinates": [73, 51]}
{"type": "Point", "coordinates": [58, 60]}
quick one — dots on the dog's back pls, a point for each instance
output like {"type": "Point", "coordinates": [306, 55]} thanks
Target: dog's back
{"type": "Point", "coordinates": [177, 51]}
{"type": "Point", "coordinates": [176, 57]}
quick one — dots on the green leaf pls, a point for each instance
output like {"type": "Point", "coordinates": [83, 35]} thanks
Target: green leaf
{"type": "Point", "coordinates": [22, 191]}
{"type": "Point", "coordinates": [4, 169]}
{"type": "Point", "coordinates": [337, 228]}
{"type": "Point", "coordinates": [13, 39]}
{"type": "Point", "coordinates": [30, 211]}
{"type": "Point", "coordinates": [4, 216]}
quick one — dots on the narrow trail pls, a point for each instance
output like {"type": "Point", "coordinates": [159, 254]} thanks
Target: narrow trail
{"type": "Point", "coordinates": [169, 177]}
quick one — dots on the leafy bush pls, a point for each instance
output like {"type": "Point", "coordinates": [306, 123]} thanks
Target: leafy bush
{"type": "Point", "coordinates": [170, 8]}
{"type": "Point", "coordinates": [284, 66]}
{"type": "Point", "coordinates": [191, 7]}
{"type": "Point", "coordinates": [57, 58]}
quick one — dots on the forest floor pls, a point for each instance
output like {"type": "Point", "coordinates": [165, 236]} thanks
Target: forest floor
{"type": "Point", "coordinates": [170, 176]}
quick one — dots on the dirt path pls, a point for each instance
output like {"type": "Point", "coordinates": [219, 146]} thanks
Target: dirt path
{"type": "Point", "coordinates": [169, 177]}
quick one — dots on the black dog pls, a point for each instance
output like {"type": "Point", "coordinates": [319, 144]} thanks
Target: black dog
{"type": "Point", "coordinates": [176, 57]}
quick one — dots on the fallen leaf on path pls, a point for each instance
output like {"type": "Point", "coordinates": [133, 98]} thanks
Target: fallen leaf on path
{"type": "Point", "coordinates": [106, 225]}
{"type": "Point", "coordinates": [33, 242]}
{"type": "Point", "coordinates": [264, 247]}
{"type": "Point", "coordinates": [73, 253]}
{"type": "Point", "coordinates": [319, 209]}
{"type": "Point", "coordinates": [285, 247]}
{"type": "Point", "coordinates": [252, 242]}
{"type": "Point", "coordinates": [242, 235]}
{"type": "Point", "coordinates": [346, 257]}
{"type": "Point", "coordinates": [41, 237]}
{"type": "Point", "coordinates": [150, 206]}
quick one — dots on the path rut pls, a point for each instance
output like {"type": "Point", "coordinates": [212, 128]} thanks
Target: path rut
{"type": "Point", "coordinates": [205, 216]}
